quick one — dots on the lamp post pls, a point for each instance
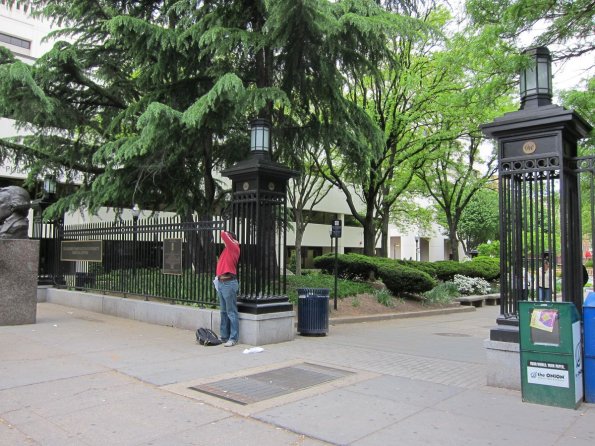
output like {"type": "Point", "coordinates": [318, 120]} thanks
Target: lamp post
{"type": "Point", "coordinates": [135, 215]}
{"type": "Point", "coordinates": [538, 184]}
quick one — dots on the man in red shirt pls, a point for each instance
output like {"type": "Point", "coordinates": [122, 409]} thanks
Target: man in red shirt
{"type": "Point", "coordinates": [227, 289]}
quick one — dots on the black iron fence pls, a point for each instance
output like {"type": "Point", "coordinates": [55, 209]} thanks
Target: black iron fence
{"type": "Point", "coordinates": [547, 215]}
{"type": "Point", "coordinates": [154, 258]}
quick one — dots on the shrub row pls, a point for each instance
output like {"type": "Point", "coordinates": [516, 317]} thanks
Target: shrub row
{"type": "Point", "coordinates": [397, 277]}
{"type": "Point", "coordinates": [406, 275]}
{"type": "Point", "coordinates": [487, 268]}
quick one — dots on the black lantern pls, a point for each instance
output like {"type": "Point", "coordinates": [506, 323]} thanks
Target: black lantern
{"type": "Point", "coordinates": [260, 136]}
{"type": "Point", "coordinates": [49, 185]}
{"type": "Point", "coordinates": [135, 211]}
{"type": "Point", "coordinates": [536, 79]}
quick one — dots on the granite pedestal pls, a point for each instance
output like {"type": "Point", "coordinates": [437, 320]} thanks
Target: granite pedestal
{"type": "Point", "coordinates": [19, 261]}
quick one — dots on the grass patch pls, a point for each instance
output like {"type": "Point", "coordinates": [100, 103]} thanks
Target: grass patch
{"type": "Point", "coordinates": [345, 288]}
{"type": "Point", "coordinates": [384, 297]}
{"type": "Point", "coordinates": [442, 294]}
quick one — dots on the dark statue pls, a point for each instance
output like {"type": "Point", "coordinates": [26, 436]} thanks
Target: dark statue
{"type": "Point", "coordinates": [14, 207]}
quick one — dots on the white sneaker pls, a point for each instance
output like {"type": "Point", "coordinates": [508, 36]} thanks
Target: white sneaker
{"type": "Point", "coordinates": [230, 343]}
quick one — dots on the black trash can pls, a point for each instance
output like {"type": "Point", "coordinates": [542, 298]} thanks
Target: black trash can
{"type": "Point", "coordinates": [313, 311]}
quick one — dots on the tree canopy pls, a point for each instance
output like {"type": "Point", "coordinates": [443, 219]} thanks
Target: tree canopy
{"type": "Point", "coordinates": [142, 102]}
{"type": "Point", "coordinates": [568, 24]}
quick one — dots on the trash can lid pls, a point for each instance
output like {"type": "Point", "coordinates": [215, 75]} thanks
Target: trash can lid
{"type": "Point", "coordinates": [590, 300]}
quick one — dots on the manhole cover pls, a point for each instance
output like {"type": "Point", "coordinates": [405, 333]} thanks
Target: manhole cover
{"type": "Point", "coordinates": [265, 385]}
{"type": "Point", "coordinates": [453, 335]}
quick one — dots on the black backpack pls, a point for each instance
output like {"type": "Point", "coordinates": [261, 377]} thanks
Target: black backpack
{"type": "Point", "coordinates": [205, 336]}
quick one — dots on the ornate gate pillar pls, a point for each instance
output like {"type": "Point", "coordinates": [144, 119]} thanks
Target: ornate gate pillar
{"type": "Point", "coordinates": [259, 219]}
{"type": "Point", "coordinates": [539, 190]}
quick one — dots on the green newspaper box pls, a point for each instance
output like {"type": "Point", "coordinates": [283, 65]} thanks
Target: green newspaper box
{"type": "Point", "coordinates": [551, 354]}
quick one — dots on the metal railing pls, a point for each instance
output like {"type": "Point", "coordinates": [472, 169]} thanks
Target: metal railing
{"type": "Point", "coordinates": [133, 261]}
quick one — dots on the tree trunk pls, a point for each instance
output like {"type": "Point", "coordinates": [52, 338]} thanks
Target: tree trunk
{"type": "Point", "coordinates": [384, 233]}
{"type": "Point", "coordinates": [298, 253]}
{"type": "Point", "coordinates": [369, 239]}
{"type": "Point", "coordinates": [454, 244]}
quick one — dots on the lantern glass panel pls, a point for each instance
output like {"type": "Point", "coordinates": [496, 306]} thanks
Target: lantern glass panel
{"type": "Point", "coordinates": [543, 79]}
{"type": "Point", "coordinates": [49, 185]}
{"type": "Point", "coordinates": [530, 80]}
{"type": "Point", "coordinates": [253, 138]}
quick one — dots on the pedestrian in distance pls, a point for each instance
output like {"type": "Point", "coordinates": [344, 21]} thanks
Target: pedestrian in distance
{"type": "Point", "coordinates": [227, 286]}
{"type": "Point", "coordinates": [544, 282]}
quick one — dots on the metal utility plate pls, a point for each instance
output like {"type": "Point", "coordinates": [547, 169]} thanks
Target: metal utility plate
{"type": "Point", "coordinates": [273, 383]}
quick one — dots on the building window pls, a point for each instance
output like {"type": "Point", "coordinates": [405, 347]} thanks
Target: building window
{"type": "Point", "coordinates": [320, 218]}
{"type": "Point", "coordinates": [15, 41]}
{"type": "Point", "coordinates": [350, 220]}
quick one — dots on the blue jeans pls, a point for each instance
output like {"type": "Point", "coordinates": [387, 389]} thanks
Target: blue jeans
{"type": "Point", "coordinates": [230, 324]}
{"type": "Point", "coordinates": [545, 294]}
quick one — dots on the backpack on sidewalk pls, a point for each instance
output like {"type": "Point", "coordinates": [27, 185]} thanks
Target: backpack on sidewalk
{"type": "Point", "coordinates": [206, 337]}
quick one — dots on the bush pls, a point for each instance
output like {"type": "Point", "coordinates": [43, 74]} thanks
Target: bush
{"type": "Point", "coordinates": [471, 285]}
{"type": "Point", "coordinates": [487, 268]}
{"type": "Point", "coordinates": [394, 272]}
{"type": "Point", "coordinates": [426, 267]}
{"type": "Point", "coordinates": [402, 279]}
{"type": "Point", "coordinates": [443, 293]}
{"type": "Point", "coordinates": [489, 249]}
{"type": "Point", "coordinates": [349, 266]}
{"type": "Point", "coordinates": [446, 269]}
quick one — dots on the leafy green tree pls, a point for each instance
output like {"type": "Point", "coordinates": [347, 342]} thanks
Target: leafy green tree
{"type": "Point", "coordinates": [379, 169]}
{"type": "Point", "coordinates": [484, 70]}
{"type": "Point", "coordinates": [303, 194]}
{"type": "Point", "coordinates": [452, 180]}
{"type": "Point", "coordinates": [480, 219]}
{"type": "Point", "coordinates": [568, 23]}
{"type": "Point", "coordinates": [583, 102]}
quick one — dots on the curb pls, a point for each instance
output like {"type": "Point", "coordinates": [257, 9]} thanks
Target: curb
{"type": "Point", "coordinates": [388, 316]}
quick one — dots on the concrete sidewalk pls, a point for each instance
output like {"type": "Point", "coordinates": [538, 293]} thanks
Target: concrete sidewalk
{"type": "Point", "coordinates": [82, 378]}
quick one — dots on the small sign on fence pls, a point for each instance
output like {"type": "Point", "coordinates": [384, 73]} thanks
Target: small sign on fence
{"type": "Point", "coordinates": [172, 256]}
{"type": "Point", "coordinates": [81, 250]}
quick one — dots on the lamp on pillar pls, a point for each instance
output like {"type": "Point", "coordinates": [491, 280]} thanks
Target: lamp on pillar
{"type": "Point", "coordinates": [49, 185]}
{"type": "Point", "coordinates": [260, 137]}
{"type": "Point", "coordinates": [259, 219]}
{"type": "Point", "coordinates": [536, 79]}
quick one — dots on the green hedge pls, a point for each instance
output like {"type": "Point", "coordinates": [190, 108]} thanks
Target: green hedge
{"type": "Point", "coordinates": [487, 268]}
{"type": "Point", "coordinates": [396, 275]}
{"type": "Point", "coordinates": [407, 275]}
{"type": "Point", "coordinates": [402, 279]}
{"type": "Point", "coordinates": [349, 266]}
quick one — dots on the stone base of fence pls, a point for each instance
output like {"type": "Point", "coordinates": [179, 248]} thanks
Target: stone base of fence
{"type": "Point", "coordinates": [19, 259]}
{"type": "Point", "coordinates": [256, 330]}
{"type": "Point", "coordinates": [503, 364]}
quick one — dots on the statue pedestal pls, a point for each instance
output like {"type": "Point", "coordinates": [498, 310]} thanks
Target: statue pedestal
{"type": "Point", "coordinates": [19, 261]}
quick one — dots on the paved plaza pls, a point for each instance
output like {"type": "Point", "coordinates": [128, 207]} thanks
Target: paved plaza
{"type": "Point", "coordinates": [83, 378]}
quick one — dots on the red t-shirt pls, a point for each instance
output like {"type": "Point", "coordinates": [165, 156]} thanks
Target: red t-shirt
{"type": "Point", "coordinates": [228, 260]}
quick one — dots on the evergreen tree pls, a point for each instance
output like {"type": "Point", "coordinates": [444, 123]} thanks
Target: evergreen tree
{"type": "Point", "coordinates": [141, 102]}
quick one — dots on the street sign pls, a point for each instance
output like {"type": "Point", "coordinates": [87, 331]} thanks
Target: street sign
{"type": "Point", "coordinates": [336, 229]}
